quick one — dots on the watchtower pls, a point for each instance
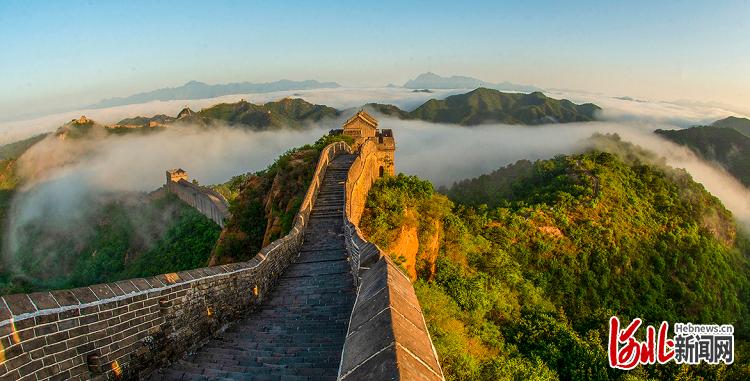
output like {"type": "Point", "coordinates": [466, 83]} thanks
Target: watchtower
{"type": "Point", "coordinates": [175, 175]}
{"type": "Point", "coordinates": [363, 127]}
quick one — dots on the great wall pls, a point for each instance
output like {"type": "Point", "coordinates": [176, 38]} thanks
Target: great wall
{"type": "Point", "coordinates": [206, 200]}
{"type": "Point", "coordinates": [320, 303]}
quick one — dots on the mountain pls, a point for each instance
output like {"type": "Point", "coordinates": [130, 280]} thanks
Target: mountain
{"type": "Point", "coordinates": [740, 124]}
{"type": "Point", "coordinates": [476, 107]}
{"type": "Point", "coordinates": [723, 145]}
{"type": "Point", "coordinates": [200, 90]}
{"type": "Point", "coordinates": [16, 149]}
{"type": "Point", "coordinates": [524, 288]}
{"type": "Point", "coordinates": [287, 112]}
{"type": "Point", "coordinates": [433, 81]}
{"type": "Point", "coordinates": [487, 105]}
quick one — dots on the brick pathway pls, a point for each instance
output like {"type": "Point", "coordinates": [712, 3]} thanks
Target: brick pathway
{"type": "Point", "coordinates": [298, 333]}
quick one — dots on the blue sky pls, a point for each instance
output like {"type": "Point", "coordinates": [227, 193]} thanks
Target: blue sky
{"type": "Point", "coordinates": [71, 53]}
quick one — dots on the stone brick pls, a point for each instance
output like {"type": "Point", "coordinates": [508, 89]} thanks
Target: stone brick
{"type": "Point", "coordinates": [54, 347]}
{"type": "Point", "coordinates": [155, 282]}
{"type": "Point", "coordinates": [45, 318]}
{"type": "Point", "coordinates": [45, 329]}
{"type": "Point", "coordinates": [30, 368]}
{"type": "Point", "coordinates": [70, 313]}
{"type": "Point", "coordinates": [116, 289]}
{"type": "Point", "coordinates": [126, 286]}
{"type": "Point", "coordinates": [59, 336]}
{"type": "Point", "coordinates": [43, 300]}
{"type": "Point", "coordinates": [65, 298]}
{"type": "Point", "coordinates": [141, 284]}
{"type": "Point", "coordinates": [4, 312]}
{"type": "Point", "coordinates": [19, 304]}
{"type": "Point", "coordinates": [84, 295]}
{"type": "Point", "coordinates": [35, 343]}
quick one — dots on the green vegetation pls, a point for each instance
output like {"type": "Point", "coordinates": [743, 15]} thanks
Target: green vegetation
{"type": "Point", "coordinates": [288, 112]}
{"type": "Point", "coordinates": [9, 178]}
{"type": "Point", "coordinates": [119, 236]}
{"type": "Point", "coordinates": [285, 113]}
{"type": "Point", "coordinates": [264, 204]}
{"type": "Point", "coordinates": [726, 146]}
{"type": "Point", "coordinates": [143, 121]}
{"type": "Point", "coordinates": [486, 106]}
{"type": "Point", "coordinates": [16, 149]}
{"type": "Point", "coordinates": [739, 124]}
{"type": "Point", "coordinates": [523, 289]}
{"type": "Point", "coordinates": [127, 237]}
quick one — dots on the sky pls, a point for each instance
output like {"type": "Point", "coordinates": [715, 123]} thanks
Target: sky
{"type": "Point", "coordinates": [56, 55]}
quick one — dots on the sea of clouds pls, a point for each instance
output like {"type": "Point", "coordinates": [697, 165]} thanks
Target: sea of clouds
{"type": "Point", "coordinates": [64, 174]}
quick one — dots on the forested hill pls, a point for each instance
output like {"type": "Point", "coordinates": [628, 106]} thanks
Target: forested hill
{"type": "Point", "coordinates": [492, 106]}
{"type": "Point", "coordinates": [288, 112]}
{"type": "Point", "coordinates": [740, 124]}
{"type": "Point", "coordinates": [725, 146]}
{"type": "Point", "coordinates": [284, 113]}
{"type": "Point", "coordinates": [524, 289]}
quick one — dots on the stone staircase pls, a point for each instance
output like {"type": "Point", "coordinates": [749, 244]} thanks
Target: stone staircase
{"type": "Point", "coordinates": [298, 332]}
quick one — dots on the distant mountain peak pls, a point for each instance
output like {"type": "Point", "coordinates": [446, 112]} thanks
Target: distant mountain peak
{"type": "Point", "coordinates": [741, 125]}
{"type": "Point", "coordinates": [185, 113]}
{"type": "Point", "coordinates": [199, 90]}
{"type": "Point", "coordinates": [431, 80]}
{"type": "Point", "coordinates": [483, 105]}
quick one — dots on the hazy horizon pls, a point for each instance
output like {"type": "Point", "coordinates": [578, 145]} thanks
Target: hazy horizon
{"type": "Point", "coordinates": [63, 56]}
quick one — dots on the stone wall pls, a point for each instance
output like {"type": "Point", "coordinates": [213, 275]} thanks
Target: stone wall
{"type": "Point", "coordinates": [126, 329]}
{"type": "Point", "coordinates": [206, 200]}
{"type": "Point", "coordinates": [387, 338]}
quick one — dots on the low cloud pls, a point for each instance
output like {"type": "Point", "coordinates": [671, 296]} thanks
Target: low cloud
{"type": "Point", "coordinates": [445, 153]}
{"type": "Point", "coordinates": [68, 182]}
{"type": "Point", "coordinates": [66, 178]}
{"type": "Point", "coordinates": [675, 113]}
{"type": "Point", "coordinates": [340, 98]}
